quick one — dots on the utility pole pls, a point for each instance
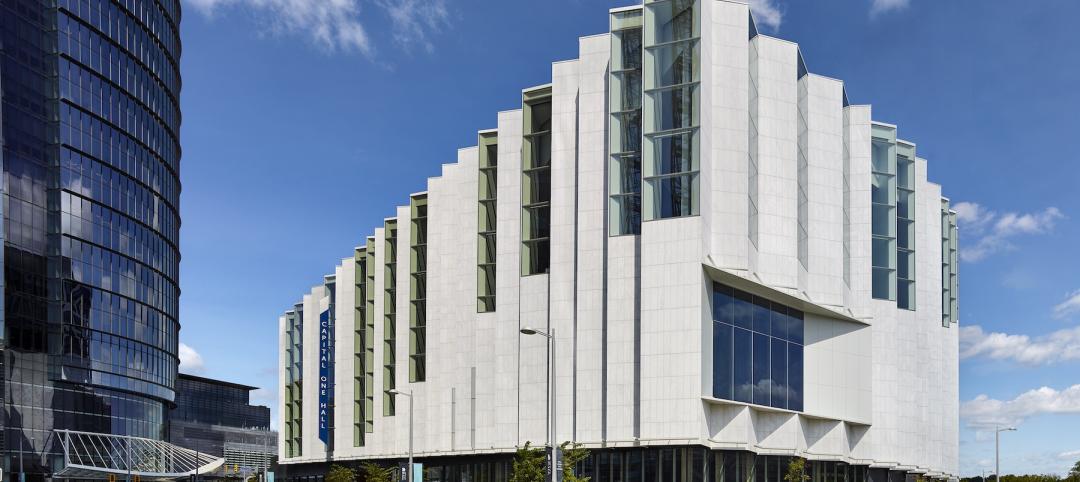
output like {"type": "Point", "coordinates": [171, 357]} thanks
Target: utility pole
{"type": "Point", "coordinates": [997, 450]}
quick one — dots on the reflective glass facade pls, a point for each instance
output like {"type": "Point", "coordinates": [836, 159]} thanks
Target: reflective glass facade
{"type": "Point", "coordinates": [214, 402]}
{"type": "Point", "coordinates": [757, 350]}
{"type": "Point", "coordinates": [91, 155]}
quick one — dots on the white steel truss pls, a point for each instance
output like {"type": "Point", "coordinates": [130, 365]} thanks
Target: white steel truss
{"type": "Point", "coordinates": [90, 455]}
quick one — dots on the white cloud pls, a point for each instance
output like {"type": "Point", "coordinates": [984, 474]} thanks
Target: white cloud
{"type": "Point", "coordinates": [767, 13]}
{"type": "Point", "coordinates": [991, 231]}
{"type": "Point", "coordinates": [190, 360]}
{"type": "Point", "coordinates": [972, 215]}
{"type": "Point", "coordinates": [337, 25]}
{"type": "Point", "coordinates": [1070, 455]}
{"type": "Point", "coordinates": [881, 6]}
{"type": "Point", "coordinates": [1059, 346]}
{"type": "Point", "coordinates": [414, 19]}
{"type": "Point", "coordinates": [984, 412]}
{"type": "Point", "coordinates": [1070, 306]}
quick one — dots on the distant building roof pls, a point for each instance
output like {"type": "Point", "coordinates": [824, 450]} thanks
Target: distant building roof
{"type": "Point", "coordinates": [215, 382]}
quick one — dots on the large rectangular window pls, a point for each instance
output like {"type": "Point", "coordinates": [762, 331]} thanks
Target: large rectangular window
{"type": "Point", "coordinates": [418, 289]}
{"type": "Point", "coordinates": [624, 172]}
{"type": "Point", "coordinates": [389, 316]}
{"type": "Point", "coordinates": [488, 144]}
{"type": "Point", "coordinates": [757, 349]}
{"type": "Point", "coordinates": [670, 114]}
{"type": "Point", "coordinates": [536, 182]}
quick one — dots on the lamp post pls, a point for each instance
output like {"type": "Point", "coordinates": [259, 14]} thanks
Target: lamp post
{"type": "Point", "coordinates": [409, 472]}
{"type": "Point", "coordinates": [552, 435]}
{"type": "Point", "coordinates": [997, 450]}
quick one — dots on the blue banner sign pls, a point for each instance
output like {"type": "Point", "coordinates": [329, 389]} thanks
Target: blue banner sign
{"type": "Point", "coordinates": [324, 376]}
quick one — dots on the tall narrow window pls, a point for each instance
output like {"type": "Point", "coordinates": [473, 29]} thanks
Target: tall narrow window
{"type": "Point", "coordinates": [359, 343]}
{"type": "Point", "coordinates": [294, 391]}
{"type": "Point", "coordinates": [883, 212]}
{"type": "Point", "coordinates": [670, 114]}
{"type": "Point", "coordinates": [624, 185]}
{"type": "Point", "coordinates": [418, 290]}
{"type": "Point", "coordinates": [536, 182]}
{"type": "Point", "coordinates": [905, 226]}
{"type": "Point", "coordinates": [486, 221]}
{"type": "Point", "coordinates": [949, 264]}
{"type": "Point", "coordinates": [389, 316]}
{"type": "Point", "coordinates": [369, 336]}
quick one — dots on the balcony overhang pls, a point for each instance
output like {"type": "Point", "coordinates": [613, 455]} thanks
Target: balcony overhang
{"type": "Point", "coordinates": [801, 302]}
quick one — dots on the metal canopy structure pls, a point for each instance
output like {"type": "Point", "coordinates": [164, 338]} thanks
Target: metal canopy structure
{"type": "Point", "coordinates": [90, 455]}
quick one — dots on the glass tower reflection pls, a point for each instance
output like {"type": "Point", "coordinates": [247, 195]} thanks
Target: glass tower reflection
{"type": "Point", "coordinates": [90, 156]}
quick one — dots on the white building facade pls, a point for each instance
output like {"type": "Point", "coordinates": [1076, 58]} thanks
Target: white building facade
{"type": "Point", "coordinates": [739, 267]}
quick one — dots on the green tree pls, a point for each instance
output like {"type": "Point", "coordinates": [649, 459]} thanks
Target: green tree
{"type": "Point", "coordinates": [1074, 474]}
{"type": "Point", "coordinates": [572, 454]}
{"type": "Point", "coordinates": [528, 464]}
{"type": "Point", "coordinates": [376, 473]}
{"type": "Point", "coordinates": [340, 473]}
{"type": "Point", "coordinates": [796, 471]}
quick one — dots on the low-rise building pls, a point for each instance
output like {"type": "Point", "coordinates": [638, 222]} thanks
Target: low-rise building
{"type": "Point", "coordinates": [216, 417]}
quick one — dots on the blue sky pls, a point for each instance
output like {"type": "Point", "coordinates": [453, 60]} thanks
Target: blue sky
{"type": "Point", "coordinates": [307, 121]}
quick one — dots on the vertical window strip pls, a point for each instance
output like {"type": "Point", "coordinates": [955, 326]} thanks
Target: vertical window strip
{"type": "Point", "coordinates": [389, 316]}
{"type": "Point", "coordinates": [536, 182]}
{"type": "Point", "coordinates": [359, 343]}
{"type": "Point", "coordinates": [954, 269]}
{"type": "Point", "coordinates": [883, 212]}
{"type": "Point", "coordinates": [670, 118]}
{"type": "Point", "coordinates": [418, 290]}
{"type": "Point", "coordinates": [946, 265]}
{"type": "Point", "coordinates": [487, 221]}
{"type": "Point", "coordinates": [905, 226]}
{"type": "Point", "coordinates": [295, 396]}
{"type": "Point", "coordinates": [624, 171]}
{"type": "Point", "coordinates": [369, 337]}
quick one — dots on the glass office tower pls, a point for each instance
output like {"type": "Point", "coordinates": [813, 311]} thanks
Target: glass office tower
{"type": "Point", "coordinates": [91, 154]}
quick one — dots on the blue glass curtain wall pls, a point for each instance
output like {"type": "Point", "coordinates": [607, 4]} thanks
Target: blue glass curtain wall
{"type": "Point", "coordinates": [757, 350]}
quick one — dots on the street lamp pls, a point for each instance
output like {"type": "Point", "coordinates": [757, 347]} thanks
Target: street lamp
{"type": "Point", "coordinates": [550, 335]}
{"type": "Point", "coordinates": [997, 450]}
{"type": "Point", "coordinates": [409, 472]}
